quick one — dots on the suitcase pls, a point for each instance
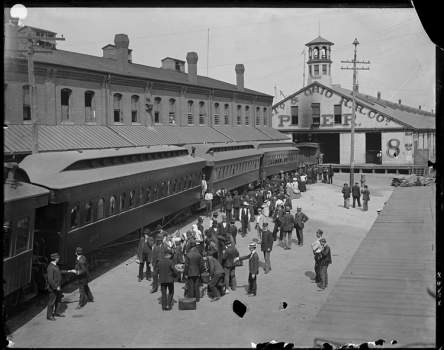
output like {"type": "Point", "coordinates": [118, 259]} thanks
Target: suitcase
{"type": "Point", "coordinates": [187, 304]}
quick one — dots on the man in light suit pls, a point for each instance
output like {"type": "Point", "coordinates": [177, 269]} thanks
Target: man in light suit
{"type": "Point", "coordinates": [245, 218]}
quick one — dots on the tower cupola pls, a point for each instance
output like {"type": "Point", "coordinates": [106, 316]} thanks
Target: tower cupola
{"type": "Point", "coordinates": [319, 60]}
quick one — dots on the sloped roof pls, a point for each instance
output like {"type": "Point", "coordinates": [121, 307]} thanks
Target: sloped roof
{"type": "Point", "coordinates": [108, 65]}
{"type": "Point", "coordinates": [242, 133]}
{"type": "Point", "coordinates": [273, 133]}
{"type": "Point", "coordinates": [319, 40]}
{"type": "Point", "coordinates": [142, 135]}
{"type": "Point", "coordinates": [191, 134]}
{"type": "Point", "coordinates": [22, 190]}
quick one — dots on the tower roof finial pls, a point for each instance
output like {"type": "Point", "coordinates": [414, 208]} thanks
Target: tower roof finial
{"type": "Point", "coordinates": [319, 27]}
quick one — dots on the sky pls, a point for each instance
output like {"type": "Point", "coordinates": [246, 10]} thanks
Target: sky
{"type": "Point", "coordinates": [268, 41]}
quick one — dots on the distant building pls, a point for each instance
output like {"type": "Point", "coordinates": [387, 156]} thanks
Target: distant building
{"type": "Point", "coordinates": [322, 111]}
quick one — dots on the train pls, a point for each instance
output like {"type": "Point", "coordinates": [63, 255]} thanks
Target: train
{"type": "Point", "coordinates": [90, 198]}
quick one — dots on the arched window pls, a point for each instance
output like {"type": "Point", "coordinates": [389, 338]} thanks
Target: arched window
{"type": "Point", "coordinates": [172, 111]}
{"type": "Point", "coordinates": [316, 53]}
{"type": "Point", "coordinates": [247, 115]}
{"type": "Point", "coordinates": [117, 108]}
{"type": "Point", "coordinates": [157, 106]}
{"type": "Point", "coordinates": [100, 209]}
{"type": "Point", "coordinates": [65, 97]}
{"type": "Point", "coordinates": [122, 201]}
{"type": "Point", "coordinates": [134, 109]}
{"type": "Point", "coordinates": [90, 112]}
{"type": "Point", "coordinates": [132, 194]}
{"type": "Point", "coordinates": [227, 114]}
{"type": "Point", "coordinates": [216, 114]}
{"type": "Point", "coordinates": [257, 117]}
{"type": "Point", "coordinates": [190, 112]}
{"type": "Point", "coordinates": [265, 116]}
{"type": "Point", "coordinates": [74, 217]}
{"type": "Point", "coordinates": [324, 52]}
{"type": "Point", "coordinates": [112, 205]}
{"type": "Point", "coordinates": [88, 212]}
{"type": "Point", "coordinates": [26, 96]}
{"type": "Point", "coordinates": [202, 113]}
{"type": "Point", "coordinates": [239, 114]}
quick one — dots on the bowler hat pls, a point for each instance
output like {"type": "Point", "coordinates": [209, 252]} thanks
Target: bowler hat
{"type": "Point", "coordinates": [79, 251]}
{"type": "Point", "coordinates": [265, 224]}
{"type": "Point", "coordinates": [252, 245]}
{"type": "Point", "coordinates": [55, 256]}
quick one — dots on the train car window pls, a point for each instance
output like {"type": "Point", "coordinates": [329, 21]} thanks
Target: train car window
{"type": "Point", "coordinates": [22, 235]}
{"type": "Point", "coordinates": [7, 235]}
{"type": "Point", "coordinates": [141, 195]}
{"type": "Point", "coordinates": [148, 195]}
{"type": "Point", "coordinates": [132, 194]}
{"type": "Point", "coordinates": [112, 205]}
{"type": "Point", "coordinates": [74, 217]}
{"type": "Point", "coordinates": [155, 193]}
{"type": "Point", "coordinates": [100, 209]}
{"type": "Point", "coordinates": [122, 201]}
{"type": "Point", "coordinates": [88, 212]}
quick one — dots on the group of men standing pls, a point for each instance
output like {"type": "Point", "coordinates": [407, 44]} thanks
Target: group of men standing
{"type": "Point", "coordinates": [355, 191]}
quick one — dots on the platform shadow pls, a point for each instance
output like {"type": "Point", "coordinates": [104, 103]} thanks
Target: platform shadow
{"type": "Point", "coordinates": [310, 274]}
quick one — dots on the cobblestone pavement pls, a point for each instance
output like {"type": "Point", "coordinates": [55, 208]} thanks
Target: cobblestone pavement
{"type": "Point", "coordinates": [125, 314]}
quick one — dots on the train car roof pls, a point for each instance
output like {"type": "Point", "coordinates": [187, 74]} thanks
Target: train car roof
{"type": "Point", "coordinates": [307, 144]}
{"type": "Point", "coordinates": [274, 149]}
{"type": "Point", "coordinates": [50, 169]}
{"type": "Point", "coordinates": [17, 190]}
{"type": "Point", "coordinates": [233, 155]}
{"type": "Point", "coordinates": [205, 147]}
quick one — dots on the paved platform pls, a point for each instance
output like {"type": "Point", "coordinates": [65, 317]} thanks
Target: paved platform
{"type": "Point", "coordinates": [125, 314]}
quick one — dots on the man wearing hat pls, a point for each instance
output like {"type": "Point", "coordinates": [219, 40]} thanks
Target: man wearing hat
{"type": "Point", "coordinates": [324, 261]}
{"type": "Point", "coordinates": [253, 266]}
{"type": "Point", "coordinates": [167, 274]}
{"type": "Point", "coordinates": [216, 283]}
{"type": "Point", "coordinates": [228, 255]}
{"type": "Point", "coordinates": [245, 218]}
{"type": "Point", "coordinates": [287, 225]}
{"type": "Point", "coordinates": [232, 230]}
{"type": "Point", "coordinates": [82, 272]}
{"type": "Point", "coordinates": [155, 256]}
{"type": "Point", "coordinates": [299, 220]}
{"type": "Point", "coordinates": [317, 248]}
{"type": "Point", "coordinates": [277, 218]}
{"type": "Point", "coordinates": [236, 205]}
{"type": "Point", "coordinates": [144, 252]}
{"type": "Point", "coordinates": [192, 271]}
{"type": "Point", "coordinates": [54, 278]}
{"type": "Point", "coordinates": [229, 206]}
{"type": "Point", "coordinates": [266, 245]}
{"type": "Point", "coordinates": [260, 219]}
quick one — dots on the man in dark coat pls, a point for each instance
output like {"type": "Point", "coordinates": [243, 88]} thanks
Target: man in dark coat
{"type": "Point", "coordinates": [266, 245]}
{"type": "Point", "coordinates": [144, 254]}
{"type": "Point", "coordinates": [299, 220]}
{"type": "Point", "coordinates": [200, 224]}
{"type": "Point", "coordinates": [236, 205]}
{"type": "Point", "coordinates": [228, 255]}
{"type": "Point", "coordinates": [330, 174]}
{"type": "Point", "coordinates": [211, 238]}
{"type": "Point", "coordinates": [365, 197]}
{"type": "Point", "coordinates": [277, 217]}
{"type": "Point", "coordinates": [229, 206]}
{"type": "Point", "coordinates": [287, 225]}
{"type": "Point", "coordinates": [156, 255]}
{"type": "Point", "coordinates": [346, 195]}
{"type": "Point", "coordinates": [232, 230]}
{"type": "Point", "coordinates": [317, 248]}
{"type": "Point", "coordinates": [192, 271]}
{"type": "Point", "coordinates": [253, 266]}
{"type": "Point", "coordinates": [54, 279]}
{"type": "Point", "coordinates": [324, 261]}
{"type": "Point", "coordinates": [356, 193]}
{"type": "Point", "coordinates": [82, 271]}
{"type": "Point", "coordinates": [216, 282]}
{"type": "Point", "coordinates": [167, 274]}
{"type": "Point", "coordinates": [245, 218]}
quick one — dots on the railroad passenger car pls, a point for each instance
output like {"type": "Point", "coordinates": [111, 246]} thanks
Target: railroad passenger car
{"type": "Point", "coordinates": [98, 196]}
{"type": "Point", "coordinates": [229, 165]}
{"type": "Point", "coordinates": [21, 200]}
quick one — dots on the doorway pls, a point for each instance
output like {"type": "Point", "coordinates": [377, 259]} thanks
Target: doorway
{"type": "Point", "coordinates": [372, 147]}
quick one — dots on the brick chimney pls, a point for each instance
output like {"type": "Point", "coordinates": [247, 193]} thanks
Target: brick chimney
{"type": "Point", "coordinates": [379, 95]}
{"type": "Point", "coordinates": [240, 69]}
{"type": "Point", "coordinates": [121, 53]}
{"type": "Point", "coordinates": [192, 67]}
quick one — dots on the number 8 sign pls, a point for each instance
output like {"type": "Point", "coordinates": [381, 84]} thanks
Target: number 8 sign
{"type": "Point", "coordinates": [393, 148]}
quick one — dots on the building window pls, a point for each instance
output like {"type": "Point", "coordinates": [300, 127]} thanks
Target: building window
{"type": "Point", "coordinates": [324, 69]}
{"type": "Point", "coordinates": [294, 115]}
{"type": "Point", "coordinates": [338, 114]}
{"type": "Point", "coordinates": [134, 109]}
{"type": "Point", "coordinates": [257, 117]}
{"type": "Point", "coordinates": [88, 212]}
{"type": "Point", "coordinates": [74, 216]}
{"type": "Point", "coordinates": [132, 194]}
{"type": "Point", "coordinates": [324, 54]}
{"type": "Point", "coordinates": [247, 115]}
{"type": "Point", "coordinates": [122, 201]}
{"type": "Point", "coordinates": [316, 69]}
{"type": "Point", "coordinates": [201, 112]}
{"type": "Point", "coordinates": [157, 102]}
{"type": "Point", "coordinates": [316, 113]}
{"type": "Point", "coordinates": [90, 113]}
{"type": "Point", "coordinates": [65, 97]}
{"type": "Point", "coordinates": [227, 114]}
{"type": "Point", "coordinates": [315, 53]}
{"type": "Point", "coordinates": [265, 116]}
{"type": "Point", "coordinates": [239, 114]}
{"type": "Point", "coordinates": [22, 237]}
{"type": "Point", "coordinates": [172, 111]}
{"type": "Point", "coordinates": [112, 205]}
{"type": "Point", "coordinates": [7, 239]}
{"type": "Point", "coordinates": [100, 209]}
{"type": "Point", "coordinates": [117, 100]}
{"type": "Point", "coordinates": [190, 113]}
{"type": "Point", "coordinates": [26, 102]}
{"type": "Point", "coordinates": [216, 114]}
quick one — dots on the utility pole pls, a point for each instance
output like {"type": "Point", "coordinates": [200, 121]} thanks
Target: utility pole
{"type": "Point", "coordinates": [29, 53]}
{"type": "Point", "coordinates": [352, 131]}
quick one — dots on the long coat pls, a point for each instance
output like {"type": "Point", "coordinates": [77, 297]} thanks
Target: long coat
{"type": "Point", "coordinates": [253, 262]}
{"type": "Point", "coordinates": [346, 192]}
{"type": "Point", "coordinates": [300, 219]}
{"type": "Point", "coordinates": [193, 263]}
{"type": "Point", "coordinates": [228, 256]}
{"type": "Point", "coordinates": [141, 246]}
{"type": "Point", "coordinates": [267, 240]}
{"type": "Point", "coordinates": [54, 276]}
{"type": "Point", "coordinates": [167, 271]}
{"type": "Point", "coordinates": [287, 222]}
{"type": "Point", "coordinates": [82, 269]}
{"type": "Point", "coordinates": [356, 191]}
{"type": "Point", "coordinates": [365, 195]}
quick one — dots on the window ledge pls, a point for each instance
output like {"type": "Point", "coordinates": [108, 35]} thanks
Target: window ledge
{"type": "Point", "coordinates": [136, 123]}
{"type": "Point", "coordinates": [90, 123]}
{"type": "Point", "coordinates": [65, 122]}
{"type": "Point", "coordinates": [118, 123]}
{"type": "Point", "coordinates": [28, 122]}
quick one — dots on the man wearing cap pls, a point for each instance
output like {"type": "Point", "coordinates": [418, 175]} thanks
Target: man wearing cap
{"type": "Point", "coordinates": [365, 197]}
{"type": "Point", "coordinates": [253, 266]}
{"type": "Point", "coordinates": [144, 252]}
{"type": "Point", "coordinates": [167, 274]}
{"type": "Point", "coordinates": [228, 255]}
{"type": "Point", "coordinates": [277, 217]}
{"type": "Point", "coordinates": [245, 218]}
{"type": "Point", "coordinates": [266, 245]}
{"type": "Point", "coordinates": [324, 261]}
{"type": "Point", "coordinates": [229, 206]}
{"type": "Point", "coordinates": [54, 279]}
{"type": "Point", "coordinates": [317, 248]}
{"type": "Point", "coordinates": [232, 230]}
{"type": "Point", "coordinates": [156, 255]}
{"type": "Point", "coordinates": [82, 272]}
{"type": "Point", "coordinates": [236, 205]}
{"type": "Point", "coordinates": [346, 195]}
{"type": "Point", "coordinates": [192, 271]}
{"type": "Point", "coordinates": [299, 220]}
{"type": "Point", "coordinates": [287, 225]}
{"type": "Point", "coordinates": [260, 219]}
{"type": "Point", "coordinates": [356, 193]}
